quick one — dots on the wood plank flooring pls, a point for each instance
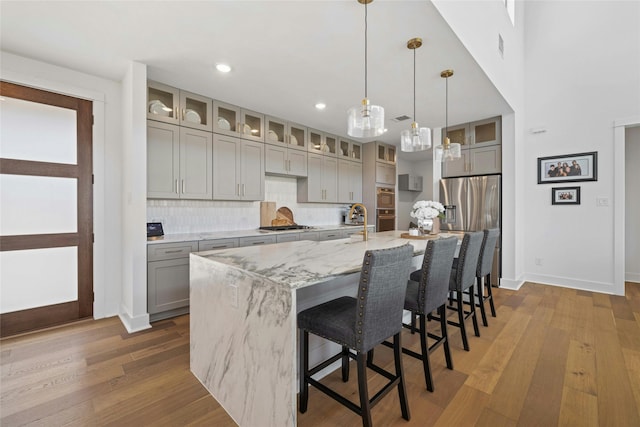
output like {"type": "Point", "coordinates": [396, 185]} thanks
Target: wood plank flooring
{"type": "Point", "coordinates": [553, 356]}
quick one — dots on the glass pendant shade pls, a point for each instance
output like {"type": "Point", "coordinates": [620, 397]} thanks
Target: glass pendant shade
{"type": "Point", "coordinates": [365, 120]}
{"type": "Point", "coordinates": [415, 139]}
{"type": "Point", "coordinates": [448, 151]}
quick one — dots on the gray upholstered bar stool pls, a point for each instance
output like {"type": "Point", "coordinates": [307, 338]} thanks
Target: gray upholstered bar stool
{"type": "Point", "coordinates": [485, 264]}
{"type": "Point", "coordinates": [428, 295]}
{"type": "Point", "coordinates": [462, 281]}
{"type": "Point", "coordinates": [359, 324]}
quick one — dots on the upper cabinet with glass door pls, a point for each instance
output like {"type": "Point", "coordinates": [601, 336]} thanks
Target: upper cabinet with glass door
{"type": "Point", "coordinates": [280, 131]}
{"type": "Point", "coordinates": [322, 143]}
{"type": "Point", "coordinates": [486, 132]}
{"type": "Point", "coordinates": [348, 149]}
{"type": "Point", "coordinates": [385, 153]}
{"type": "Point", "coordinates": [171, 105]}
{"type": "Point", "coordinates": [235, 121]}
{"type": "Point", "coordinates": [481, 133]}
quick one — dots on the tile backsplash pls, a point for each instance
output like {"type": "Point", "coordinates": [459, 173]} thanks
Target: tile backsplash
{"type": "Point", "coordinates": [196, 216]}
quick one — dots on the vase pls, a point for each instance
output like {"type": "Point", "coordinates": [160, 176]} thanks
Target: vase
{"type": "Point", "coordinates": [435, 228]}
{"type": "Point", "coordinates": [425, 226]}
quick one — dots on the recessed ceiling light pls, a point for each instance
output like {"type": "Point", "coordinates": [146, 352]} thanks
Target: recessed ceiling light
{"type": "Point", "coordinates": [321, 105]}
{"type": "Point", "coordinates": [223, 68]}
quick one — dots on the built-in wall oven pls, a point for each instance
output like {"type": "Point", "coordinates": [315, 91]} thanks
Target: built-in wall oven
{"type": "Point", "coordinates": [385, 209]}
{"type": "Point", "coordinates": [385, 198]}
{"type": "Point", "coordinates": [385, 219]}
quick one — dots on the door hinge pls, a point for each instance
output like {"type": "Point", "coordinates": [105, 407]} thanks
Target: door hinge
{"type": "Point", "coordinates": [93, 120]}
{"type": "Point", "coordinates": [93, 238]}
{"type": "Point", "coordinates": [93, 179]}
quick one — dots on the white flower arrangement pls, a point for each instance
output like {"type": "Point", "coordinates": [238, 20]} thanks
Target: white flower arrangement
{"type": "Point", "coordinates": [427, 209]}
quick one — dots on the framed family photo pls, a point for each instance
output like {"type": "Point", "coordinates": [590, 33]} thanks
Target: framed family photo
{"type": "Point", "coordinates": [565, 196]}
{"type": "Point", "coordinates": [568, 168]}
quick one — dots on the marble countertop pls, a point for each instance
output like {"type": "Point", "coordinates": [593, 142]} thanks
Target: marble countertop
{"type": "Point", "coordinates": [186, 237]}
{"type": "Point", "coordinates": [303, 263]}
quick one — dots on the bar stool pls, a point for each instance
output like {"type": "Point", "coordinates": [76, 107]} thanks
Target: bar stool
{"type": "Point", "coordinates": [359, 324]}
{"type": "Point", "coordinates": [462, 281]}
{"type": "Point", "coordinates": [485, 264]}
{"type": "Point", "coordinates": [430, 294]}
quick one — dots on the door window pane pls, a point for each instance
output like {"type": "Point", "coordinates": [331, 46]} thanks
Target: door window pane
{"type": "Point", "coordinates": [37, 277]}
{"type": "Point", "coordinates": [38, 132]}
{"type": "Point", "coordinates": [37, 205]}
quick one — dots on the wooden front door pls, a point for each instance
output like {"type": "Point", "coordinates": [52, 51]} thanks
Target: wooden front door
{"type": "Point", "coordinates": [46, 190]}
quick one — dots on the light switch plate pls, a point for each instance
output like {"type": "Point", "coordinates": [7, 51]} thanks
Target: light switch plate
{"type": "Point", "coordinates": [602, 201]}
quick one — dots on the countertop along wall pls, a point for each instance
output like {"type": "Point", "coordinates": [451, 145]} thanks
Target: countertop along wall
{"type": "Point", "coordinates": [195, 216]}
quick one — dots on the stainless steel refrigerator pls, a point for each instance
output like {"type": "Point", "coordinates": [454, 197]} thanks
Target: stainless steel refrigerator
{"type": "Point", "coordinates": [473, 204]}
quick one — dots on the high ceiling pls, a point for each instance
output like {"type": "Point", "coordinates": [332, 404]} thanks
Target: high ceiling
{"type": "Point", "coordinates": [286, 55]}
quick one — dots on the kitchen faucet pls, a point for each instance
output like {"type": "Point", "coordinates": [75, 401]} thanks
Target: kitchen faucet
{"type": "Point", "coordinates": [353, 207]}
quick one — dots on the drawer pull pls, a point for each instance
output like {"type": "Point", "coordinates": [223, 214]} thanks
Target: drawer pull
{"type": "Point", "coordinates": [175, 251]}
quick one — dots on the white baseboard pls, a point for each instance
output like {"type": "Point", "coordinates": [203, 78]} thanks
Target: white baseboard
{"type": "Point", "coordinates": [511, 284]}
{"type": "Point", "coordinates": [134, 324]}
{"type": "Point", "coordinates": [632, 277]}
{"type": "Point", "coordinates": [567, 282]}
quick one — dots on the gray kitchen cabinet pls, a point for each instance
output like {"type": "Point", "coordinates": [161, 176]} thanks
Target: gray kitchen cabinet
{"type": "Point", "coordinates": [280, 160]}
{"type": "Point", "coordinates": [232, 120]}
{"type": "Point", "coordinates": [323, 143]}
{"type": "Point", "coordinates": [287, 237]}
{"type": "Point", "coordinates": [310, 235]}
{"type": "Point", "coordinates": [481, 148]}
{"type": "Point", "coordinates": [179, 162]}
{"type": "Point", "coordinates": [238, 167]}
{"type": "Point", "coordinates": [385, 173]}
{"type": "Point", "coordinates": [283, 132]}
{"type": "Point", "coordinates": [348, 149]}
{"type": "Point", "coordinates": [257, 240]}
{"type": "Point", "coordinates": [322, 180]}
{"type": "Point", "coordinates": [212, 244]}
{"type": "Point", "coordinates": [330, 235]}
{"type": "Point", "coordinates": [385, 153]}
{"type": "Point", "coordinates": [171, 105]}
{"type": "Point", "coordinates": [408, 182]}
{"type": "Point", "coordinates": [349, 181]}
{"type": "Point", "coordinates": [168, 279]}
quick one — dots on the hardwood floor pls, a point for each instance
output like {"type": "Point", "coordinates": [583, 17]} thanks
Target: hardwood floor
{"type": "Point", "coordinates": [553, 356]}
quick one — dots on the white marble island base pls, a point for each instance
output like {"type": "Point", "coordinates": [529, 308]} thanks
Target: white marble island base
{"type": "Point", "coordinates": [243, 317]}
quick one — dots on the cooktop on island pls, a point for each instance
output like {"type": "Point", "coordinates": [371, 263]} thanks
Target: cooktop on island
{"type": "Point", "coordinates": [286, 227]}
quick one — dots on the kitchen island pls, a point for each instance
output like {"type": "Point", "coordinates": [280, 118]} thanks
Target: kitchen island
{"type": "Point", "coordinates": [243, 317]}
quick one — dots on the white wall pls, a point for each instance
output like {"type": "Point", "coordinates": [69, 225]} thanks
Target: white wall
{"type": "Point", "coordinates": [582, 73]}
{"type": "Point", "coordinates": [478, 24]}
{"type": "Point", "coordinates": [195, 216]}
{"type": "Point", "coordinates": [107, 168]}
{"type": "Point", "coordinates": [632, 205]}
{"type": "Point", "coordinates": [133, 307]}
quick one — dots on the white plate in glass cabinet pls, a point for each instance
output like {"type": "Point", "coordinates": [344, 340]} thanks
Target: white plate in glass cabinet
{"type": "Point", "coordinates": [235, 121]}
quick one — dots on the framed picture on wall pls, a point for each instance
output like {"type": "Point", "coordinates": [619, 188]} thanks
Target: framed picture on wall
{"type": "Point", "coordinates": [565, 196]}
{"type": "Point", "coordinates": [568, 168]}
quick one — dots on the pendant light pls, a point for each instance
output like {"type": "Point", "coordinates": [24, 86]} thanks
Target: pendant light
{"type": "Point", "coordinates": [448, 151]}
{"type": "Point", "coordinates": [417, 138]}
{"type": "Point", "coordinates": [365, 120]}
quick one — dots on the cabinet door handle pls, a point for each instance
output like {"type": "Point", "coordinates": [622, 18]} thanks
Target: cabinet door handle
{"type": "Point", "coordinates": [183, 112]}
{"type": "Point", "coordinates": [175, 113]}
{"type": "Point", "coordinates": [183, 188]}
{"type": "Point", "coordinates": [243, 188]}
{"type": "Point", "coordinates": [238, 189]}
{"type": "Point", "coordinates": [177, 189]}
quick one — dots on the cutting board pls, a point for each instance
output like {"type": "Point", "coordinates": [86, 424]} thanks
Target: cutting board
{"type": "Point", "coordinates": [285, 213]}
{"type": "Point", "coordinates": [267, 213]}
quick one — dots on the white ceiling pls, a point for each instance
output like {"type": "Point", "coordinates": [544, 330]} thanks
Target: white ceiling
{"type": "Point", "coordinates": [286, 55]}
